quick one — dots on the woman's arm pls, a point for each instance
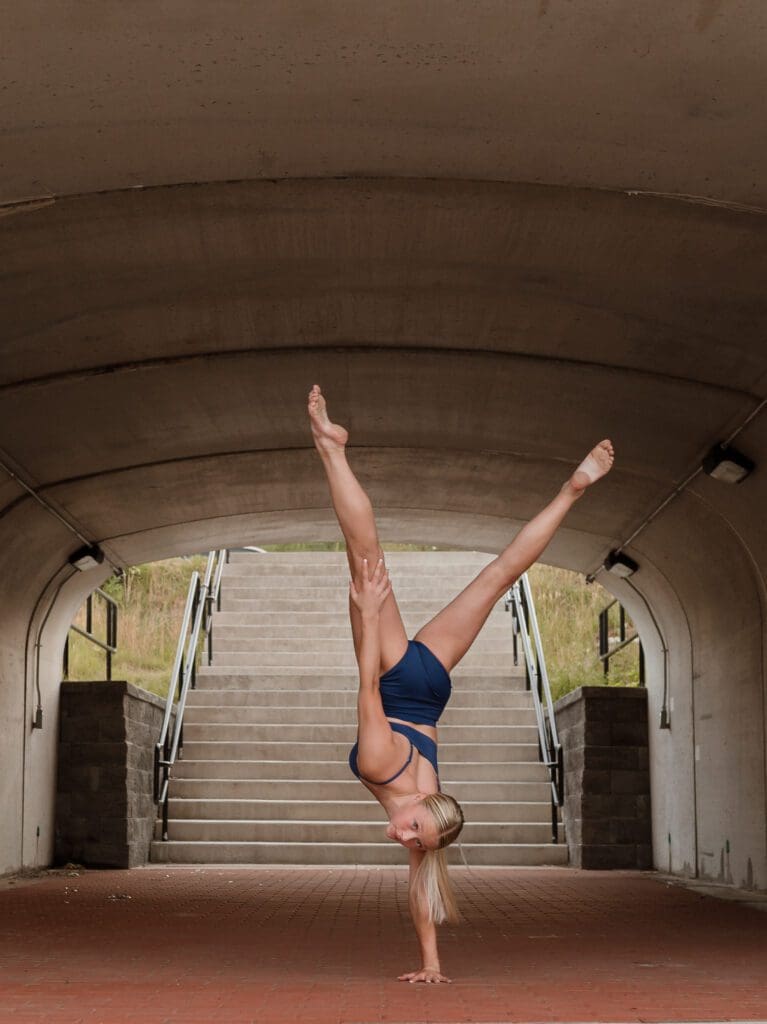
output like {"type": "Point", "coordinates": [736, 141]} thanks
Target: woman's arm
{"type": "Point", "coordinates": [378, 753]}
{"type": "Point", "coordinates": [426, 930]}
{"type": "Point", "coordinates": [370, 644]}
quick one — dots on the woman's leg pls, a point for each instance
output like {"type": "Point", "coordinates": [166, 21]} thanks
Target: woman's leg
{"type": "Point", "coordinates": [357, 522]}
{"type": "Point", "coordinates": [451, 633]}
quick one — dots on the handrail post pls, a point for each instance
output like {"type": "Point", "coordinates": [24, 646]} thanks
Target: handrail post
{"type": "Point", "coordinates": [109, 641]}
{"type": "Point", "coordinates": [202, 596]}
{"type": "Point", "coordinates": [550, 749]}
{"type": "Point", "coordinates": [606, 652]}
{"type": "Point", "coordinates": [554, 823]}
{"type": "Point", "coordinates": [108, 644]}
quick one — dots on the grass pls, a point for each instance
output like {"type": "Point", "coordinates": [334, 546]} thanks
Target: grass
{"type": "Point", "coordinates": [568, 613]}
{"type": "Point", "coordinates": [151, 603]}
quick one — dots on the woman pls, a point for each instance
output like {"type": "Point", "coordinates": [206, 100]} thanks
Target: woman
{"type": "Point", "coordinates": [404, 685]}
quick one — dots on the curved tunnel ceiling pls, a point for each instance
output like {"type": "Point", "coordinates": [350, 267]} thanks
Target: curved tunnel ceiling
{"type": "Point", "coordinates": [605, 94]}
{"type": "Point", "coordinates": [164, 319]}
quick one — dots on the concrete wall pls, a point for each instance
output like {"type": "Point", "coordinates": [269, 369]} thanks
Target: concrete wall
{"type": "Point", "coordinates": [38, 600]}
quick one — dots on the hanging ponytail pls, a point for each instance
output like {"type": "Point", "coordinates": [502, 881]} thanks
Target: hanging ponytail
{"type": "Point", "coordinates": [432, 880]}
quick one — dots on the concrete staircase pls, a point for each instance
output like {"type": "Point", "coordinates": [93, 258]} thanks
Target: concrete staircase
{"type": "Point", "coordinates": [264, 777]}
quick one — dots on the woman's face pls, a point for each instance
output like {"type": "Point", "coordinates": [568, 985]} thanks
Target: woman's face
{"type": "Point", "coordinates": [413, 826]}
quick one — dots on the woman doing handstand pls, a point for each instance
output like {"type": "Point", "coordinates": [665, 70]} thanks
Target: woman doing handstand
{"type": "Point", "coordinates": [405, 684]}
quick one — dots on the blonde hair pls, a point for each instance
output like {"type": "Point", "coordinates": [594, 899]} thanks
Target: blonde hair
{"type": "Point", "coordinates": [432, 881]}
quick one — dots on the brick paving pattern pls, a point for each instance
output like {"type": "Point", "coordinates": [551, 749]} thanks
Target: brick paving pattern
{"type": "Point", "coordinates": [325, 945]}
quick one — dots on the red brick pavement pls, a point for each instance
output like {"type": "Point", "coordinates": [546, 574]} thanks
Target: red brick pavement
{"type": "Point", "coordinates": [321, 945]}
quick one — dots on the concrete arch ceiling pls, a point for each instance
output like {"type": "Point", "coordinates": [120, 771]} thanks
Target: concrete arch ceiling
{"type": "Point", "coordinates": [161, 343]}
{"type": "Point", "coordinates": [606, 94]}
{"type": "Point", "coordinates": [483, 294]}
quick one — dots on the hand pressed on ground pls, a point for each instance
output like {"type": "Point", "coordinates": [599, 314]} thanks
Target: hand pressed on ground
{"type": "Point", "coordinates": [428, 975]}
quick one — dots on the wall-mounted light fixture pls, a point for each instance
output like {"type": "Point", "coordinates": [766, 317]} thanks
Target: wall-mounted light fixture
{"type": "Point", "coordinates": [87, 558]}
{"type": "Point", "coordinates": [620, 565]}
{"type": "Point", "coordinates": [727, 464]}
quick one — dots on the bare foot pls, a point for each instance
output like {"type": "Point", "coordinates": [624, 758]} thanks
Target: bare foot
{"type": "Point", "coordinates": [598, 462]}
{"type": "Point", "coordinates": [327, 435]}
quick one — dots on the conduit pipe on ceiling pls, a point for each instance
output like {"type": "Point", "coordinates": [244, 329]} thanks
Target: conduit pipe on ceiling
{"type": "Point", "coordinates": [678, 489]}
{"type": "Point", "coordinates": [52, 511]}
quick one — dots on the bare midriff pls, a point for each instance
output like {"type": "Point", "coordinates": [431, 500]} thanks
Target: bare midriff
{"type": "Point", "coordinates": [427, 730]}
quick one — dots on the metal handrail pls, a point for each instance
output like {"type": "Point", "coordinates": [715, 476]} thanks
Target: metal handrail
{"type": "Point", "coordinates": [201, 598]}
{"type": "Point", "coordinates": [525, 625]}
{"type": "Point", "coordinates": [110, 644]}
{"type": "Point", "coordinates": [606, 650]}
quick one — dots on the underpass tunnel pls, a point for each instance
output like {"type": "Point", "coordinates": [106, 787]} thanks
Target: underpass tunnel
{"type": "Point", "coordinates": [697, 597]}
{"type": "Point", "coordinates": [486, 279]}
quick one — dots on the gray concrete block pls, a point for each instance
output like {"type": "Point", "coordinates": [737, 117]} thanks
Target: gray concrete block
{"type": "Point", "coordinates": [630, 782]}
{"type": "Point", "coordinates": [595, 831]}
{"type": "Point", "coordinates": [609, 805]}
{"type": "Point", "coordinates": [611, 757]}
{"type": "Point", "coordinates": [606, 856]}
{"type": "Point", "coordinates": [101, 855]}
{"type": "Point", "coordinates": [632, 733]}
{"type": "Point", "coordinates": [573, 756]}
{"type": "Point", "coordinates": [111, 728]}
{"type": "Point", "coordinates": [644, 857]}
{"type": "Point", "coordinates": [596, 780]}
{"type": "Point", "coordinates": [97, 752]}
{"type": "Point", "coordinates": [629, 830]}
{"type": "Point", "coordinates": [597, 732]}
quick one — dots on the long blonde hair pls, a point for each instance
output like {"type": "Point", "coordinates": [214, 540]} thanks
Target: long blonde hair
{"type": "Point", "coordinates": [432, 880]}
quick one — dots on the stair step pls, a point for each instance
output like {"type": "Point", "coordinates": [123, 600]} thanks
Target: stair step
{"type": "Point", "coordinates": [323, 657]}
{"type": "Point", "coordinates": [276, 627]}
{"type": "Point", "coordinates": [213, 697]}
{"type": "Point", "coordinates": [337, 582]}
{"type": "Point", "coordinates": [327, 810]}
{"type": "Point", "coordinates": [259, 769]}
{"type": "Point", "coordinates": [379, 854]}
{"type": "Point", "coordinates": [338, 618]}
{"type": "Point", "coordinates": [319, 751]}
{"type": "Point", "coordinates": [298, 678]}
{"type": "Point", "coordinates": [346, 789]}
{"type": "Point", "coordinates": [458, 718]}
{"type": "Point", "coordinates": [261, 732]}
{"type": "Point", "coordinates": [334, 600]}
{"type": "Point", "coordinates": [301, 561]}
{"type": "Point", "coordinates": [333, 645]}
{"type": "Point", "coordinates": [280, 830]}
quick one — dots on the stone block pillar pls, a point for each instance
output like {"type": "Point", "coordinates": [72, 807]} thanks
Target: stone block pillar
{"type": "Point", "coordinates": [603, 731]}
{"type": "Point", "coordinates": [105, 810]}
